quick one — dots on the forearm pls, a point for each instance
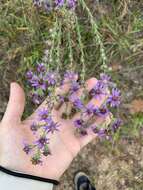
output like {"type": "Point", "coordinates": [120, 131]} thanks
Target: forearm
{"type": "Point", "coordinates": [9, 182]}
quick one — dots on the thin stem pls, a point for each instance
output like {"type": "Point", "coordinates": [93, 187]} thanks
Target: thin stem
{"type": "Point", "coordinates": [82, 60]}
{"type": "Point", "coordinates": [59, 33]}
{"type": "Point", "coordinates": [70, 50]}
{"type": "Point", "coordinates": [97, 34]}
{"type": "Point", "coordinates": [53, 36]}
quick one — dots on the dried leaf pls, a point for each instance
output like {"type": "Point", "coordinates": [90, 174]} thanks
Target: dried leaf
{"type": "Point", "coordinates": [116, 67]}
{"type": "Point", "coordinates": [136, 106]}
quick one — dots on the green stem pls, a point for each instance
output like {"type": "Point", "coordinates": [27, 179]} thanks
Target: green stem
{"type": "Point", "coordinates": [82, 60]}
{"type": "Point", "coordinates": [59, 33]}
{"type": "Point", "coordinates": [97, 34]}
{"type": "Point", "coordinates": [70, 50]}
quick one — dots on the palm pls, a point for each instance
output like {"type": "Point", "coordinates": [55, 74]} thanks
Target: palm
{"type": "Point", "coordinates": [64, 144]}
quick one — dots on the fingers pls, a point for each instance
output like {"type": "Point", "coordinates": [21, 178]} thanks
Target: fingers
{"type": "Point", "coordinates": [62, 90]}
{"type": "Point", "coordinates": [89, 84]}
{"type": "Point", "coordinates": [84, 140]}
{"type": "Point", "coordinates": [66, 107]}
{"type": "Point", "coordinates": [15, 105]}
{"type": "Point", "coordinates": [96, 102]}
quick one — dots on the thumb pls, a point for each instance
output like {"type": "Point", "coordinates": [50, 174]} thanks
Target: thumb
{"type": "Point", "coordinates": [15, 105]}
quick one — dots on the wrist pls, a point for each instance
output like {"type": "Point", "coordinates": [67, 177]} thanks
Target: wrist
{"type": "Point", "coordinates": [13, 182]}
{"type": "Point", "coordinates": [31, 171]}
{"type": "Point", "coordinates": [52, 167]}
{"type": "Point", "coordinates": [27, 176]}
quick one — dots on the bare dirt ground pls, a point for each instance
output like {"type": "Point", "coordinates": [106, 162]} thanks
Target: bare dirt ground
{"type": "Point", "coordinates": [121, 168]}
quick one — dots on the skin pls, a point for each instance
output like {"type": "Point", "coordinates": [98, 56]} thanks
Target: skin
{"type": "Point", "coordinates": [64, 144]}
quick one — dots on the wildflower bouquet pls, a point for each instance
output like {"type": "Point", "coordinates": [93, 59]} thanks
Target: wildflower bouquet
{"type": "Point", "coordinates": [78, 103]}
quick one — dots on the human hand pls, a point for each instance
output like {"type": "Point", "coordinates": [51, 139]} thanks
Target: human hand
{"type": "Point", "coordinates": [64, 144]}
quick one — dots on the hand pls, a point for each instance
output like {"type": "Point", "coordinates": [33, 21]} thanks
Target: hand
{"type": "Point", "coordinates": [64, 144]}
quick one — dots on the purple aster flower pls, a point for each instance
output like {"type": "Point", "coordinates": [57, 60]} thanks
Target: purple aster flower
{"type": "Point", "coordinates": [42, 141]}
{"type": "Point", "coordinates": [96, 111]}
{"type": "Point", "coordinates": [51, 126]}
{"type": "Point", "coordinates": [41, 67]}
{"type": "Point", "coordinates": [29, 75]}
{"type": "Point", "coordinates": [59, 3]}
{"type": "Point", "coordinates": [74, 87]}
{"type": "Point", "coordinates": [114, 98]}
{"type": "Point", "coordinates": [102, 133]}
{"type": "Point", "coordinates": [48, 121]}
{"type": "Point", "coordinates": [103, 111]}
{"type": "Point", "coordinates": [37, 3]}
{"type": "Point", "coordinates": [48, 7]}
{"type": "Point", "coordinates": [98, 90]}
{"type": "Point", "coordinates": [70, 75]}
{"type": "Point", "coordinates": [51, 78]}
{"type": "Point", "coordinates": [78, 123]}
{"type": "Point", "coordinates": [116, 125]}
{"type": "Point", "coordinates": [105, 78]}
{"type": "Point", "coordinates": [43, 114]}
{"type": "Point", "coordinates": [94, 129]}
{"type": "Point", "coordinates": [77, 103]}
{"type": "Point", "coordinates": [38, 82]}
{"type": "Point", "coordinates": [88, 110]}
{"type": "Point", "coordinates": [61, 98]}
{"type": "Point", "coordinates": [36, 98]}
{"type": "Point", "coordinates": [71, 4]}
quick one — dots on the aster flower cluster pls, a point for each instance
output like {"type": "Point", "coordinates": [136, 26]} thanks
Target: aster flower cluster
{"type": "Point", "coordinates": [103, 87]}
{"type": "Point", "coordinates": [43, 84]}
{"type": "Point", "coordinates": [50, 5]}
